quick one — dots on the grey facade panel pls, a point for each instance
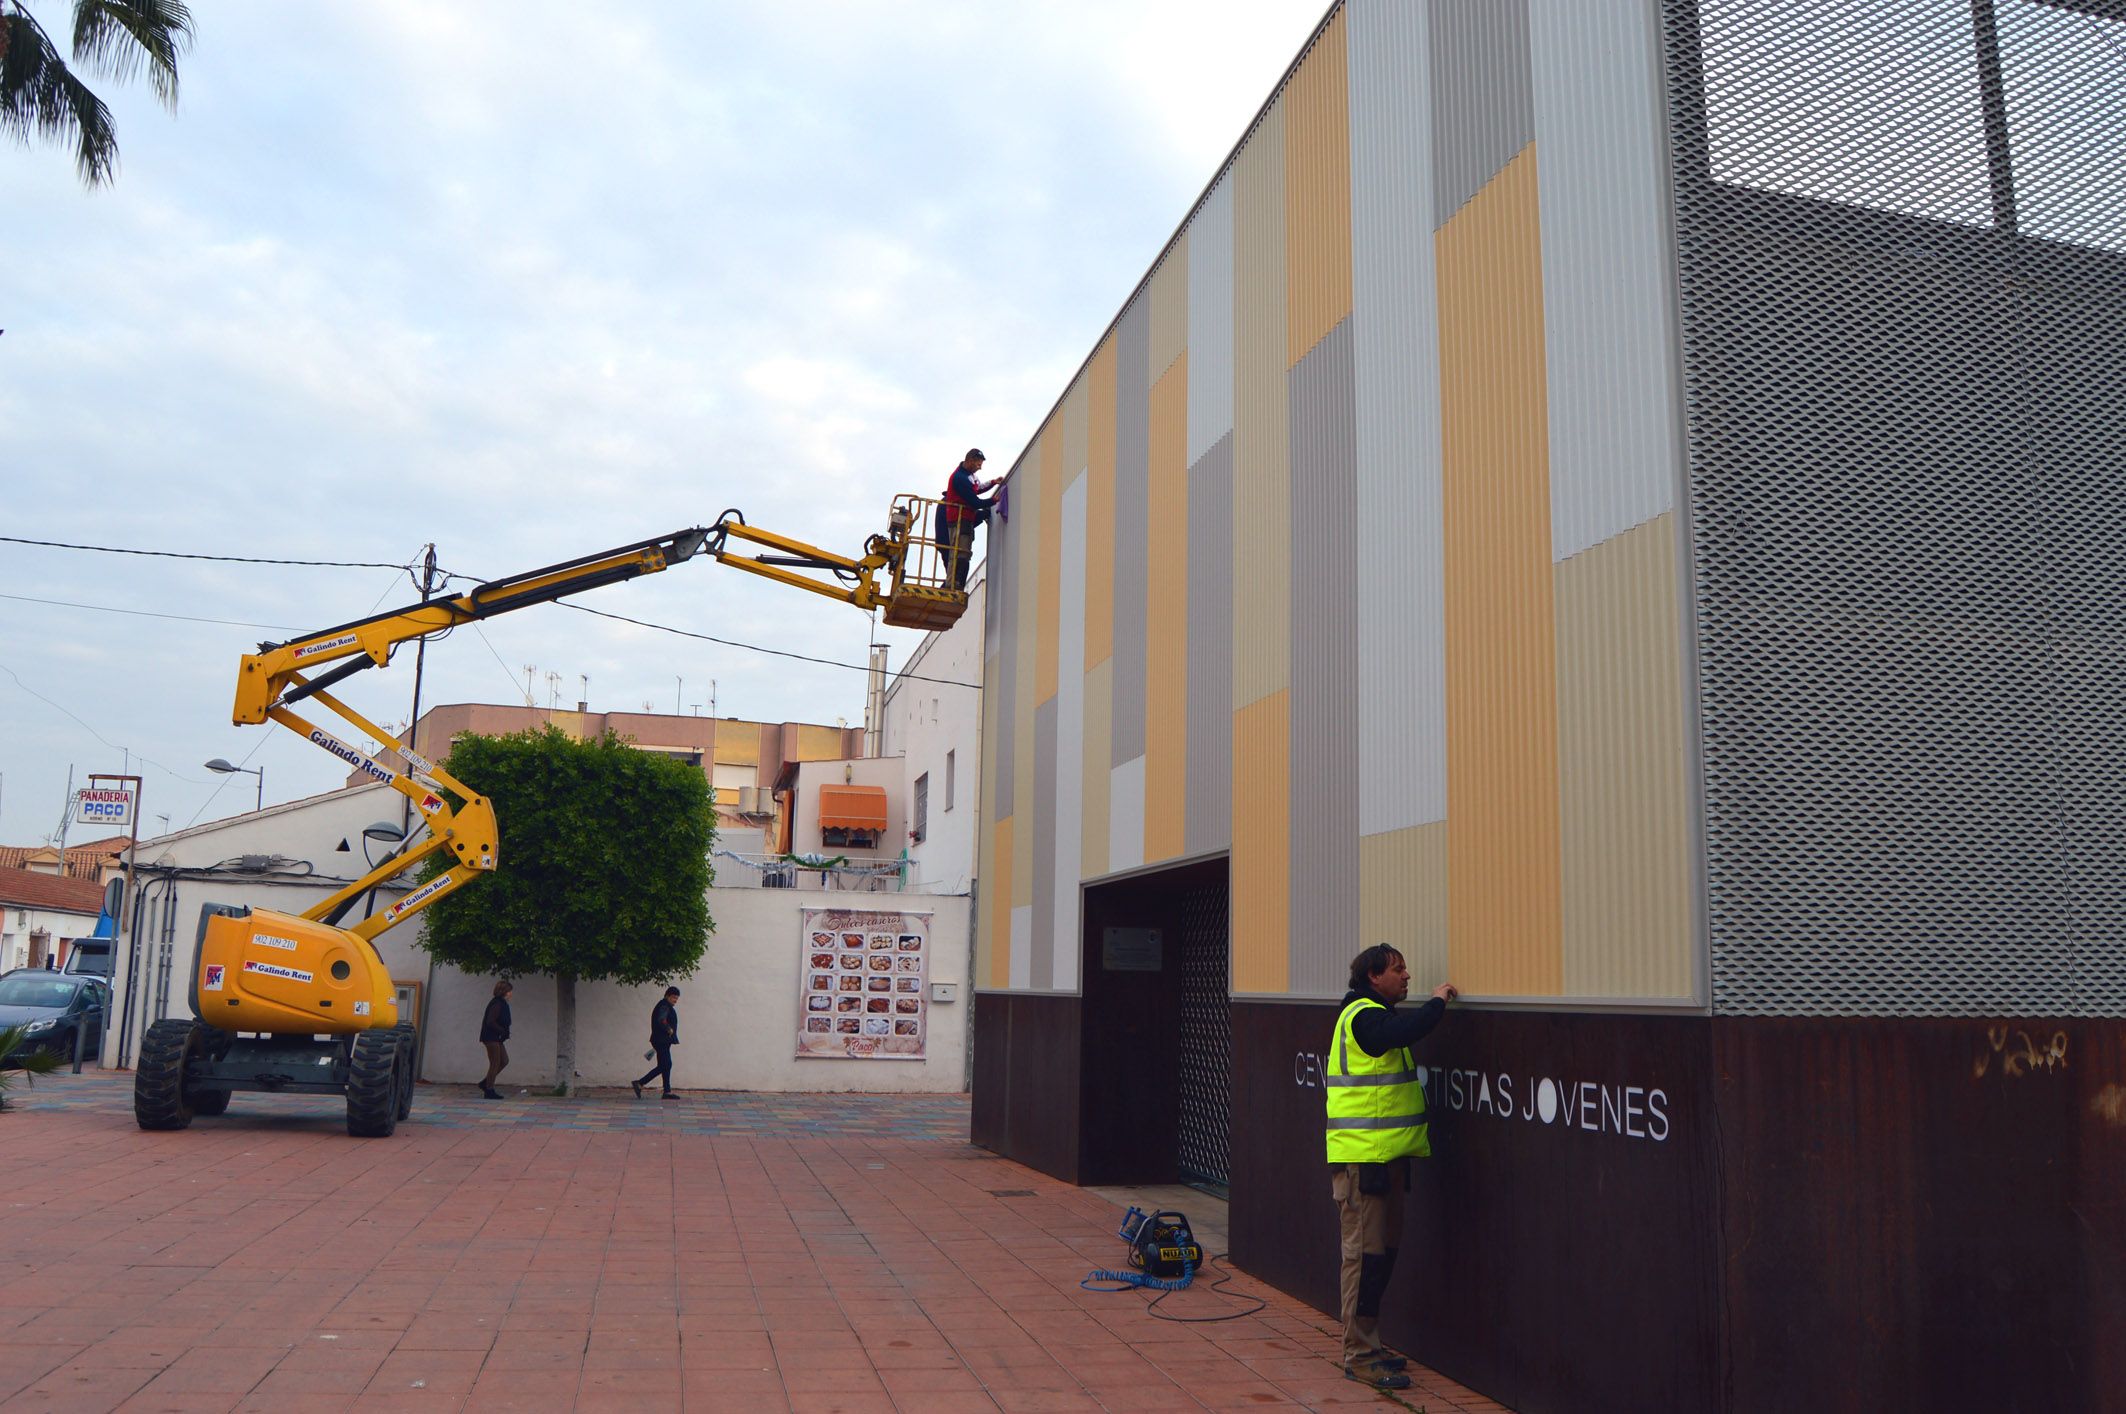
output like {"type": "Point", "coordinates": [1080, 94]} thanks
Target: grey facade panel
{"type": "Point", "coordinates": [1483, 107]}
{"type": "Point", "coordinates": [1208, 817]}
{"type": "Point", "coordinates": [1323, 807]}
{"type": "Point", "coordinates": [1002, 598]}
{"type": "Point", "coordinates": [1133, 439]}
{"type": "Point", "coordinates": [1906, 441]}
{"type": "Point", "coordinates": [1043, 809]}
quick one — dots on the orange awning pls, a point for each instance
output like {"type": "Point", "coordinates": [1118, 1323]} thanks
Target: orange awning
{"type": "Point", "coordinates": [852, 807]}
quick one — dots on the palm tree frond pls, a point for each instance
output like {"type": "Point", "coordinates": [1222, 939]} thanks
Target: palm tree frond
{"type": "Point", "coordinates": [41, 98]}
{"type": "Point", "coordinates": [119, 38]}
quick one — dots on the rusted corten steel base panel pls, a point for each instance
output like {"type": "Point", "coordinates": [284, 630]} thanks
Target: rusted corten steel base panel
{"type": "Point", "coordinates": [1644, 1212]}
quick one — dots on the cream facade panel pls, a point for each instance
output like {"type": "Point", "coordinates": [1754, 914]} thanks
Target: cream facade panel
{"type": "Point", "coordinates": [1402, 677]}
{"type": "Point", "coordinates": [1402, 900]}
{"type": "Point", "coordinates": [1608, 316]}
{"type": "Point", "coordinates": [1626, 831]}
{"type": "Point", "coordinates": [1262, 551]}
{"type": "Point", "coordinates": [1100, 504]}
{"type": "Point", "coordinates": [1169, 308]}
{"type": "Point", "coordinates": [1043, 810]}
{"type": "Point", "coordinates": [1070, 745]}
{"type": "Point", "coordinates": [1210, 320]}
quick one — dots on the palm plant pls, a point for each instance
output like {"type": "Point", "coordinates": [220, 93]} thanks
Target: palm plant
{"type": "Point", "coordinates": [40, 97]}
{"type": "Point", "coordinates": [15, 1059]}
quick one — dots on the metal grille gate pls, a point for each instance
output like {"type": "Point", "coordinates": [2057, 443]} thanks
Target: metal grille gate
{"type": "Point", "coordinates": [1206, 1039]}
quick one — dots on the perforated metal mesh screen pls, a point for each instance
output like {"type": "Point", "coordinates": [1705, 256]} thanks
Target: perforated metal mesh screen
{"type": "Point", "coordinates": [1206, 1039]}
{"type": "Point", "coordinates": [1902, 254]}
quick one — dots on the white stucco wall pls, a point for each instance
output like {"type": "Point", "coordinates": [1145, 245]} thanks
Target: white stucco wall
{"type": "Point", "coordinates": [924, 721]}
{"type": "Point", "coordinates": [738, 1018]}
{"type": "Point", "coordinates": [19, 924]}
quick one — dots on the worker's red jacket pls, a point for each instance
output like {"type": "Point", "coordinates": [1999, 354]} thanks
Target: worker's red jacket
{"type": "Point", "coordinates": [960, 502]}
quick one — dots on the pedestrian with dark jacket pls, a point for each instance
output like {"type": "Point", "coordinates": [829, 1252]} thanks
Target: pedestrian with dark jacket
{"type": "Point", "coordinates": [494, 1031]}
{"type": "Point", "coordinates": [664, 1034]}
{"type": "Point", "coordinates": [1375, 1096]}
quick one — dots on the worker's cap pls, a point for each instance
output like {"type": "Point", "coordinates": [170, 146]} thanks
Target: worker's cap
{"type": "Point", "coordinates": [974, 454]}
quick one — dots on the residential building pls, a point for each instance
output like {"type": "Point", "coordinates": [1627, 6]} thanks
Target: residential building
{"type": "Point", "coordinates": [1622, 502]}
{"type": "Point", "coordinates": [932, 721]}
{"type": "Point", "coordinates": [99, 861]}
{"type": "Point", "coordinates": [41, 915]}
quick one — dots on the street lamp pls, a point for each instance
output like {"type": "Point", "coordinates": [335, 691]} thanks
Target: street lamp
{"type": "Point", "coordinates": [223, 768]}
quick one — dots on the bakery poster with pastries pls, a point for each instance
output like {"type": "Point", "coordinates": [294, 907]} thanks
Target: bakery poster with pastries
{"type": "Point", "coordinates": [864, 989]}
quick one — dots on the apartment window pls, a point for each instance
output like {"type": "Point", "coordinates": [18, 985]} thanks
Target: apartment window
{"type": "Point", "coordinates": [948, 780]}
{"type": "Point", "coordinates": [922, 807]}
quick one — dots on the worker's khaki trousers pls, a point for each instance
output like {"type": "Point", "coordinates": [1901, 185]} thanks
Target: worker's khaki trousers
{"type": "Point", "coordinates": [1372, 1230]}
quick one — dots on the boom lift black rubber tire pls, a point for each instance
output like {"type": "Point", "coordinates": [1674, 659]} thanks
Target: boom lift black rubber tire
{"type": "Point", "coordinates": [215, 1044]}
{"type": "Point", "coordinates": [406, 1054]}
{"type": "Point", "coordinates": [159, 1084]}
{"type": "Point", "coordinates": [373, 1085]}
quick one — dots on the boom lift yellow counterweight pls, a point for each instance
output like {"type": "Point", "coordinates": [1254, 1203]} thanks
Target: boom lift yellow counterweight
{"type": "Point", "coordinates": [295, 1002]}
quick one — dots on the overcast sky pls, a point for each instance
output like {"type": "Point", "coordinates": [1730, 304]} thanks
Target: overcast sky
{"type": "Point", "coordinates": [534, 281]}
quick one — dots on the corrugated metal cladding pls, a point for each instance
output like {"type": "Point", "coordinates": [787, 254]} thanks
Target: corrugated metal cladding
{"type": "Point", "coordinates": [1378, 579]}
{"type": "Point", "coordinates": [1906, 407]}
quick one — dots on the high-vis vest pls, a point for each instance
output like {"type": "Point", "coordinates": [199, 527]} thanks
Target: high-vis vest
{"type": "Point", "coordinates": [1376, 1103]}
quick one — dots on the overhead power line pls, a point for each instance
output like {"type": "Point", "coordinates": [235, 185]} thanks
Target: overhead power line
{"type": "Point", "coordinates": [756, 648]}
{"type": "Point", "coordinates": [224, 559]}
{"type": "Point", "coordinates": [145, 613]}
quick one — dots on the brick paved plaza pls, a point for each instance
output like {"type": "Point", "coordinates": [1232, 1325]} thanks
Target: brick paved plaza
{"type": "Point", "coordinates": [727, 1251]}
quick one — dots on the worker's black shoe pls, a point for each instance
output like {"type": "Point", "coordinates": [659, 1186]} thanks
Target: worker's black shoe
{"type": "Point", "coordinates": [1378, 1376]}
{"type": "Point", "coordinates": [638, 1088]}
{"type": "Point", "coordinates": [1382, 1360]}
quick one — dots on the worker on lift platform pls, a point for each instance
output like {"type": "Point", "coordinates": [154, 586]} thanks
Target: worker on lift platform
{"type": "Point", "coordinates": [961, 510]}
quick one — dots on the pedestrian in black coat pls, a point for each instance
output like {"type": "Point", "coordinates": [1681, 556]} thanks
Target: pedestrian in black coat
{"type": "Point", "coordinates": [664, 1034]}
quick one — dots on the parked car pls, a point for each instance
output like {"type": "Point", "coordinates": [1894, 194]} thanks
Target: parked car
{"type": "Point", "coordinates": [51, 1007]}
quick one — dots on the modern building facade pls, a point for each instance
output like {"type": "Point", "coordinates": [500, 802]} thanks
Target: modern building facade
{"type": "Point", "coordinates": [1622, 501]}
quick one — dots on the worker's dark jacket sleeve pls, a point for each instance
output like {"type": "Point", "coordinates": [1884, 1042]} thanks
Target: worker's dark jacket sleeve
{"type": "Point", "coordinates": [963, 487]}
{"type": "Point", "coordinates": [1379, 1032]}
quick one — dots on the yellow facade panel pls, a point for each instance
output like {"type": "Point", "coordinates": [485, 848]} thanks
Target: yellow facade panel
{"type": "Point", "coordinates": [1624, 804]}
{"type": "Point", "coordinates": [1050, 571]}
{"type": "Point", "coordinates": [999, 912]}
{"type": "Point", "coordinates": [1502, 709]}
{"type": "Point", "coordinates": [1072, 418]}
{"type": "Point", "coordinates": [1262, 455]}
{"type": "Point", "coordinates": [1169, 332]}
{"type": "Point", "coordinates": [1098, 778]}
{"type": "Point", "coordinates": [738, 744]}
{"type": "Point", "coordinates": [1166, 627]}
{"type": "Point", "coordinates": [1261, 867]}
{"type": "Point", "coordinates": [818, 744]}
{"type": "Point", "coordinates": [1402, 899]}
{"type": "Point", "coordinates": [1100, 504]}
{"type": "Point", "coordinates": [1317, 157]}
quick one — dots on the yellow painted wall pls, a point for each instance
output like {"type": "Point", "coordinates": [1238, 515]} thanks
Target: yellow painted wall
{"type": "Point", "coordinates": [999, 911]}
{"type": "Point", "coordinates": [1502, 711]}
{"type": "Point", "coordinates": [1166, 628]}
{"type": "Point", "coordinates": [1317, 164]}
{"type": "Point", "coordinates": [1260, 891]}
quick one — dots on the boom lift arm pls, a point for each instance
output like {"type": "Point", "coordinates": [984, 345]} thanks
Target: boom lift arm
{"type": "Point", "coordinates": [275, 678]}
{"type": "Point", "coordinates": [918, 592]}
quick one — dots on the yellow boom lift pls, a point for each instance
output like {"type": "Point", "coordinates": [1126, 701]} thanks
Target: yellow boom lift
{"type": "Point", "coordinates": [296, 1002]}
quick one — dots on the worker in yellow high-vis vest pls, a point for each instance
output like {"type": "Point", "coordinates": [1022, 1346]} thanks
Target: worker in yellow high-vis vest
{"type": "Point", "coordinates": [1376, 1105]}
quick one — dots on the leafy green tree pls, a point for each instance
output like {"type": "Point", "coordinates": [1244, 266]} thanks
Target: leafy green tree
{"type": "Point", "coordinates": [603, 869]}
{"type": "Point", "coordinates": [40, 97]}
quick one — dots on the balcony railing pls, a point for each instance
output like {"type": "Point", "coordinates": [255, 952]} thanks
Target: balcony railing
{"type": "Point", "coordinates": [832, 873]}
